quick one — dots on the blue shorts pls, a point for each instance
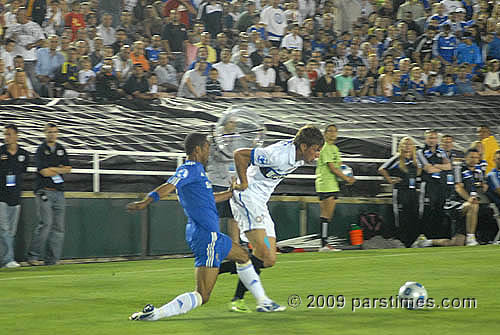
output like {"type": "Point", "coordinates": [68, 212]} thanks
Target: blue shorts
{"type": "Point", "coordinates": [209, 248]}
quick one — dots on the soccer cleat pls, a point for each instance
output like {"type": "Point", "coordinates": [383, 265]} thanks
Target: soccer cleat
{"type": "Point", "coordinates": [471, 242]}
{"type": "Point", "coordinates": [270, 307]}
{"type": "Point", "coordinates": [328, 248]}
{"type": "Point", "coordinates": [419, 242]}
{"type": "Point", "coordinates": [12, 264]}
{"type": "Point", "coordinates": [145, 315]}
{"type": "Point", "coordinates": [34, 262]}
{"type": "Point", "coordinates": [239, 306]}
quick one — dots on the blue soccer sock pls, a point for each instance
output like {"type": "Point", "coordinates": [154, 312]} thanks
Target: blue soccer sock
{"type": "Point", "coordinates": [180, 305]}
{"type": "Point", "coordinates": [251, 280]}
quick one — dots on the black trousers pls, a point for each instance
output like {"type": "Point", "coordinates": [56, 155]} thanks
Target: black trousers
{"type": "Point", "coordinates": [432, 200]}
{"type": "Point", "coordinates": [405, 208]}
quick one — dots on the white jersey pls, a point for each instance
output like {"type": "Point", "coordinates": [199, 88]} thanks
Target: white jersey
{"type": "Point", "coordinates": [268, 167]}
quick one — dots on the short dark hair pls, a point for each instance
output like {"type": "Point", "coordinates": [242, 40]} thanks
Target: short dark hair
{"type": "Point", "coordinates": [11, 126]}
{"type": "Point", "coordinates": [49, 125]}
{"type": "Point", "coordinates": [497, 152]}
{"type": "Point", "coordinates": [470, 151]}
{"type": "Point", "coordinates": [447, 136]}
{"type": "Point", "coordinates": [194, 140]}
{"type": "Point", "coordinates": [430, 131]}
{"type": "Point", "coordinates": [330, 125]}
{"type": "Point", "coordinates": [309, 135]}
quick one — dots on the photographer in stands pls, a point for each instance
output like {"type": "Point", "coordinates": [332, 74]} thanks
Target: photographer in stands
{"type": "Point", "coordinates": [401, 171]}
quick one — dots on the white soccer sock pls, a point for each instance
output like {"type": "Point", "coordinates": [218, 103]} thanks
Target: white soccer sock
{"type": "Point", "coordinates": [471, 236]}
{"type": "Point", "coordinates": [251, 280]}
{"type": "Point", "coordinates": [180, 305]}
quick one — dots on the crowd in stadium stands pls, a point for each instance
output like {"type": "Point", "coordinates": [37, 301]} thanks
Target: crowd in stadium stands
{"type": "Point", "coordinates": [144, 49]}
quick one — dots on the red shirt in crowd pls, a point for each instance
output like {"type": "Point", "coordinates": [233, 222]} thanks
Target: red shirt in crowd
{"type": "Point", "coordinates": [173, 4]}
{"type": "Point", "coordinates": [75, 21]}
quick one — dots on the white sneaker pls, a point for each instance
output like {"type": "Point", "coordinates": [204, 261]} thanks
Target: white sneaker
{"type": "Point", "coordinates": [471, 242]}
{"type": "Point", "coordinates": [328, 248]}
{"type": "Point", "coordinates": [12, 264]}
{"type": "Point", "coordinates": [419, 242]}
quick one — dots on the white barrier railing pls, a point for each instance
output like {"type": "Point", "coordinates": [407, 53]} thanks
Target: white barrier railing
{"type": "Point", "coordinates": [96, 170]}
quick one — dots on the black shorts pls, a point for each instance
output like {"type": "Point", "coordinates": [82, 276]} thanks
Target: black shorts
{"type": "Point", "coordinates": [326, 195]}
{"type": "Point", "coordinates": [223, 208]}
{"type": "Point", "coordinates": [457, 217]}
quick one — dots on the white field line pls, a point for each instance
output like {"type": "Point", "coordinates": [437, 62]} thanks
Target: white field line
{"type": "Point", "coordinates": [281, 263]}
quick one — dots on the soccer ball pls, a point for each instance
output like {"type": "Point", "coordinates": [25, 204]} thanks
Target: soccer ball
{"type": "Point", "coordinates": [346, 170]}
{"type": "Point", "coordinates": [413, 295]}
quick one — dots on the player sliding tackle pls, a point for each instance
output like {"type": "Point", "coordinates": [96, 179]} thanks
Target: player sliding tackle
{"type": "Point", "coordinates": [206, 241]}
{"type": "Point", "coordinates": [260, 170]}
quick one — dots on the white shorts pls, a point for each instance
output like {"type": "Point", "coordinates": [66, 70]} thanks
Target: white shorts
{"type": "Point", "coordinates": [251, 214]}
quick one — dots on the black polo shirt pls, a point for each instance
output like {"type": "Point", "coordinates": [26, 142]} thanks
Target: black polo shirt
{"type": "Point", "coordinates": [134, 84]}
{"type": "Point", "coordinates": [175, 35]}
{"type": "Point", "coordinates": [12, 168]}
{"type": "Point", "coordinates": [50, 157]}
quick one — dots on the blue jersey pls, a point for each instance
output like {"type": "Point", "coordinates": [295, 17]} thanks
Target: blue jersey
{"type": "Point", "coordinates": [470, 54]}
{"type": "Point", "coordinates": [446, 47]}
{"type": "Point", "coordinates": [196, 197]}
{"type": "Point", "coordinates": [419, 87]}
{"type": "Point", "coordinates": [396, 91]}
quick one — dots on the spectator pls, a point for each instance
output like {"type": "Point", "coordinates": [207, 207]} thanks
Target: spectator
{"type": "Point", "coordinates": [107, 85]}
{"type": "Point", "coordinates": [74, 19]}
{"type": "Point", "coordinates": [265, 76]}
{"type": "Point", "coordinates": [229, 72]}
{"type": "Point", "coordinates": [175, 36]}
{"type": "Point", "coordinates": [464, 84]}
{"type": "Point", "coordinates": [121, 40]}
{"type": "Point", "coordinates": [490, 145]}
{"type": "Point", "coordinates": [137, 56]}
{"type": "Point", "coordinates": [111, 7]}
{"type": "Point", "coordinates": [28, 35]}
{"type": "Point", "coordinates": [417, 84]}
{"type": "Point", "coordinates": [86, 77]}
{"type": "Point", "coordinates": [450, 6]}
{"type": "Point", "coordinates": [414, 7]}
{"type": "Point", "coordinates": [137, 86]}
{"type": "Point", "coordinates": [468, 52]}
{"type": "Point", "coordinates": [246, 18]}
{"type": "Point", "coordinates": [257, 57]}
{"type": "Point", "coordinates": [54, 19]}
{"type": "Point", "coordinates": [153, 51]}
{"type": "Point", "coordinates": [432, 87]}
{"type": "Point", "coordinates": [13, 164]}
{"type": "Point", "coordinates": [296, 57]}
{"type": "Point", "coordinates": [183, 8]}
{"type": "Point", "coordinates": [425, 46]}
{"type": "Point", "coordinates": [106, 31]}
{"type": "Point", "coordinates": [52, 163]}
{"type": "Point", "coordinates": [344, 82]}
{"type": "Point", "coordinates": [211, 15]}
{"type": "Point", "coordinates": [292, 40]}
{"type": "Point", "coordinates": [18, 88]}
{"type": "Point", "coordinates": [494, 45]}
{"type": "Point", "coordinates": [220, 44]}
{"type": "Point", "coordinates": [202, 56]}
{"type": "Point", "coordinates": [282, 73]}
{"type": "Point", "coordinates": [325, 87]}
{"type": "Point", "coordinates": [167, 76]}
{"type": "Point", "coordinates": [275, 20]}
{"type": "Point", "coordinates": [36, 10]}
{"type": "Point", "coordinates": [353, 57]}
{"type": "Point", "coordinates": [299, 84]}
{"type": "Point", "coordinates": [205, 42]}
{"type": "Point", "coordinates": [8, 55]}
{"type": "Point", "coordinates": [386, 81]}
{"type": "Point", "coordinates": [96, 56]}
{"type": "Point", "coordinates": [244, 62]}
{"type": "Point", "coordinates": [49, 60]}
{"type": "Point", "coordinates": [193, 83]}
{"type": "Point", "coordinates": [127, 25]}
{"type": "Point", "coordinates": [446, 46]}
{"type": "Point", "coordinates": [492, 78]}
{"type": "Point", "coordinates": [122, 63]}
{"type": "Point", "coordinates": [448, 88]}
{"type": "Point", "coordinates": [213, 86]}
{"type": "Point", "coordinates": [67, 76]}
{"type": "Point", "coordinates": [152, 23]}
{"type": "Point", "coordinates": [340, 59]}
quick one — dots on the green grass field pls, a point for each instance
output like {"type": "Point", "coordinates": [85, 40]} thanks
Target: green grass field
{"type": "Point", "coordinates": [98, 298]}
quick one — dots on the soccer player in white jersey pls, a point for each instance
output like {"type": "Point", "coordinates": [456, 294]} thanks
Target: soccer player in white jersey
{"type": "Point", "coordinates": [260, 170]}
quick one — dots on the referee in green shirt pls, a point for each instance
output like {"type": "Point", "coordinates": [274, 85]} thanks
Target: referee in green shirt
{"type": "Point", "coordinates": [327, 185]}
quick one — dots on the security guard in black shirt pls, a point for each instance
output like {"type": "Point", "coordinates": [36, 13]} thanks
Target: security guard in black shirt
{"type": "Point", "coordinates": [13, 163]}
{"type": "Point", "coordinates": [52, 163]}
{"type": "Point", "coordinates": [435, 164]}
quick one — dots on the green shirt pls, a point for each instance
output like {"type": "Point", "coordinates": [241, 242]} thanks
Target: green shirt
{"type": "Point", "coordinates": [344, 85]}
{"type": "Point", "coordinates": [326, 180]}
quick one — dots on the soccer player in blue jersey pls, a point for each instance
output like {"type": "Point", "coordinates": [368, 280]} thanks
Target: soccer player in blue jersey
{"type": "Point", "coordinates": [260, 170]}
{"type": "Point", "coordinates": [206, 241]}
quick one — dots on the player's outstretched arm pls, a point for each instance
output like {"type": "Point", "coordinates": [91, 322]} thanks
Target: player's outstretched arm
{"type": "Point", "coordinates": [153, 196]}
{"type": "Point", "coordinates": [226, 195]}
{"type": "Point", "coordinates": [242, 158]}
